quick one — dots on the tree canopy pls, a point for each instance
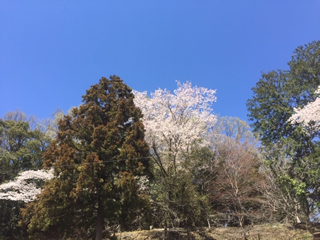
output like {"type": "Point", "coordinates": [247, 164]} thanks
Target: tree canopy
{"type": "Point", "coordinates": [275, 97]}
{"type": "Point", "coordinates": [96, 156]}
{"type": "Point", "coordinates": [21, 146]}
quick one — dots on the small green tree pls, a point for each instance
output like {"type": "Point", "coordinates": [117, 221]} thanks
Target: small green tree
{"type": "Point", "coordinates": [96, 156]}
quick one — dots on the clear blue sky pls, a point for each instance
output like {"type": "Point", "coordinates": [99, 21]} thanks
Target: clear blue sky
{"type": "Point", "coordinates": [52, 51]}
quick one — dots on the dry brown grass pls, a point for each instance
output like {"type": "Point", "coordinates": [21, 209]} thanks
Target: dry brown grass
{"type": "Point", "coordinates": [259, 232]}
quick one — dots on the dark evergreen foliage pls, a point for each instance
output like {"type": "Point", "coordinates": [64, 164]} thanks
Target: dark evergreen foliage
{"type": "Point", "coordinates": [96, 156]}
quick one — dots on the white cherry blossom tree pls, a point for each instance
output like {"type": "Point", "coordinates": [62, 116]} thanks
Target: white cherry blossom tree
{"type": "Point", "coordinates": [176, 122]}
{"type": "Point", "coordinates": [24, 187]}
{"type": "Point", "coordinates": [309, 113]}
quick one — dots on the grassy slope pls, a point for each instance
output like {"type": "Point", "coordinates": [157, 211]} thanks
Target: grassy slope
{"type": "Point", "coordinates": [260, 232]}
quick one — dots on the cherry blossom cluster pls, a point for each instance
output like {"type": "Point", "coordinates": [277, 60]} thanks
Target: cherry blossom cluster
{"type": "Point", "coordinates": [23, 188]}
{"type": "Point", "coordinates": [309, 113]}
{"type": "Point", "coordinates": [176, 121]}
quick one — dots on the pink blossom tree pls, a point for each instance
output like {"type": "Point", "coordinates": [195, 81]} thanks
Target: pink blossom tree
{"type": "Point", "coordinates": [176, 122]}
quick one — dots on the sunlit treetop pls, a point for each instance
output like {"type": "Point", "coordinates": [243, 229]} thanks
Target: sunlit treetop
{"type": "Point", "coordinates": [176, 122]}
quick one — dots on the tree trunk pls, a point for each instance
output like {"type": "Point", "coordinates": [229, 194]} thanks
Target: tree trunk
{"type": "Point", "coordinates": [99, 225]}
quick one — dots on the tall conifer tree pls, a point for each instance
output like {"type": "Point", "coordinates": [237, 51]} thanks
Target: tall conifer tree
{"type": "Point", "coordinates": [97, 155]}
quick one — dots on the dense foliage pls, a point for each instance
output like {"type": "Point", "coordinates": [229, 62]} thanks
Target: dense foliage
{"type": "Point", "coordinates": [276, 96]}
{"type": "Point", "coordinates": [97, 155]}
{"type": "Point", "coordinates": [21, 146]}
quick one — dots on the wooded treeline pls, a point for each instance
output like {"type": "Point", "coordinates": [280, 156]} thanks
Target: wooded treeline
{"type": "Point", "coordinates": [128, 160]}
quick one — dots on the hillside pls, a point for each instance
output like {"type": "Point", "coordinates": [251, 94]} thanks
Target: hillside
{"type": "Point", "coordinates": [259, 232]}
